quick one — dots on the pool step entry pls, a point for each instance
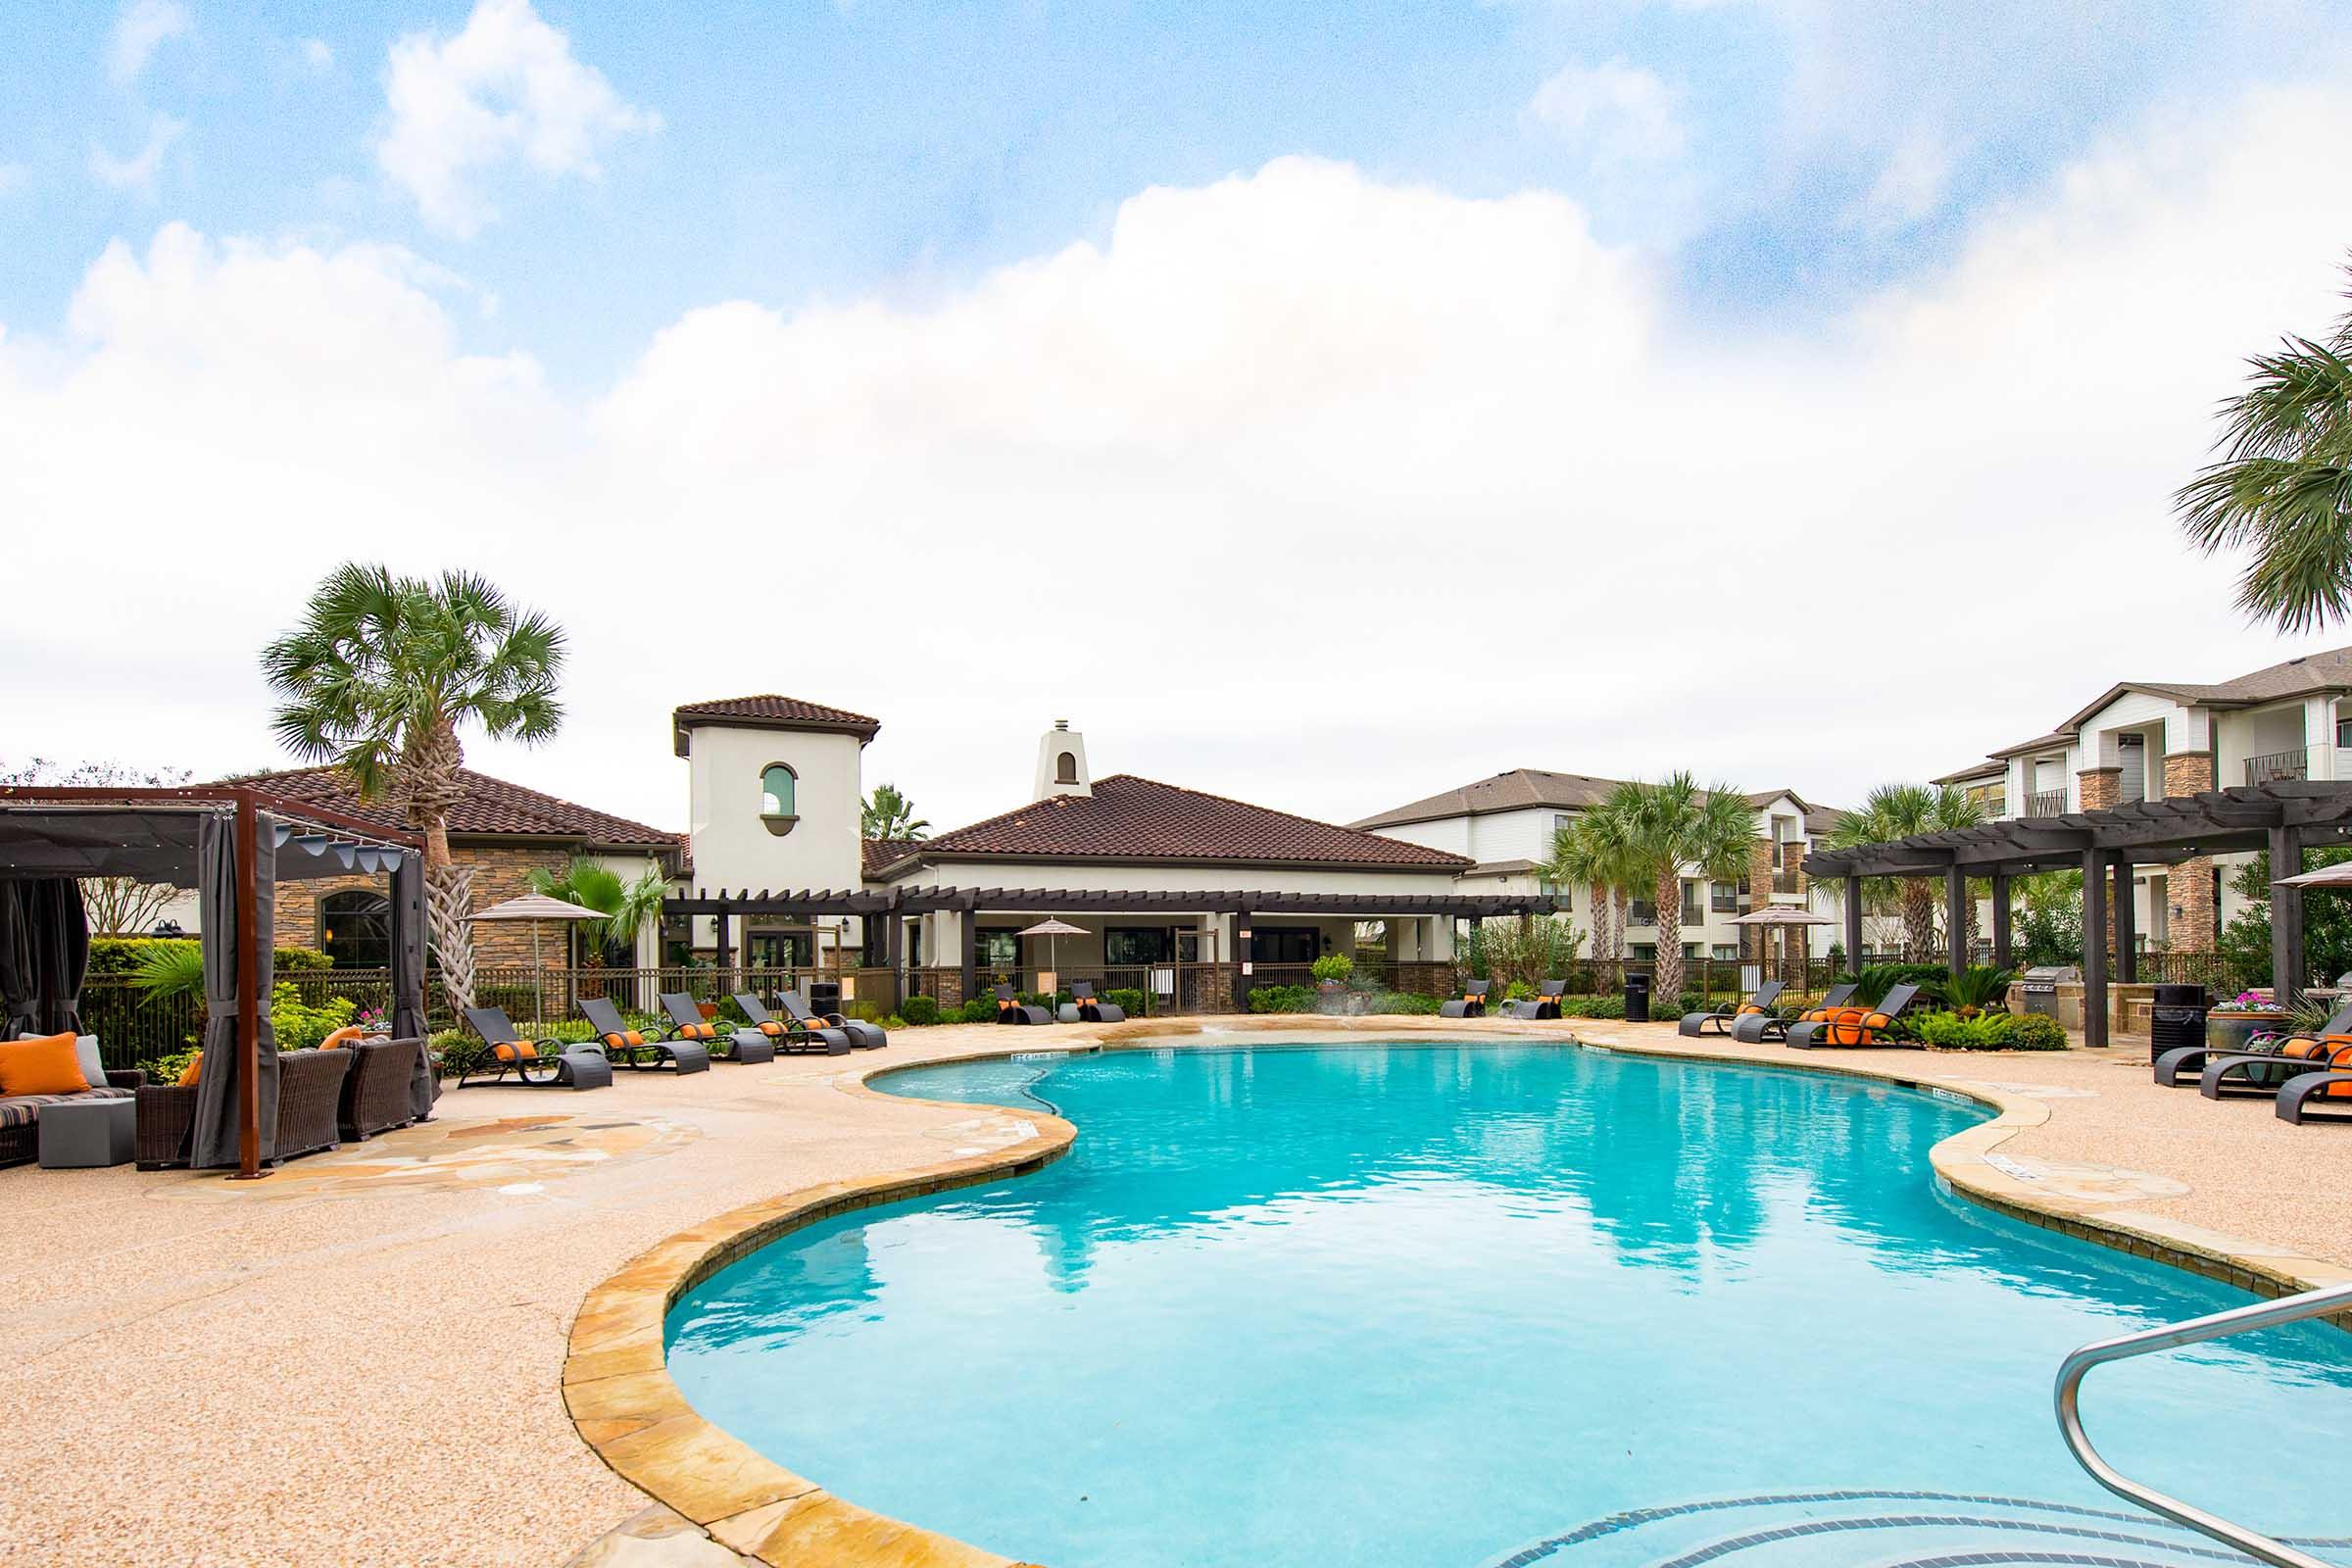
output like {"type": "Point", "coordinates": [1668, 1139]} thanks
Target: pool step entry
{"type": "Point", "coordinates": [1880, 1529]}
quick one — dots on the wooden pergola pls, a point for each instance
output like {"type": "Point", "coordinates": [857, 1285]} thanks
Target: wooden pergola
{"type": "Point", "coordinates": [2286, 818]}
{"type": "Point", "coordinates": [892, 902]}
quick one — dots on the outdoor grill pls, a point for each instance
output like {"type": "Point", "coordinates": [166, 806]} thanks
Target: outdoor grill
{"type": "Point", "coordinates": [2040, 985]}
{"type": "Point", "coordinates": [2177, 1019]}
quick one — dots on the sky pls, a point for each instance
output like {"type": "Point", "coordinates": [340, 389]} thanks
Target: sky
{"type": "Point", "coordinates": [1323, 405]}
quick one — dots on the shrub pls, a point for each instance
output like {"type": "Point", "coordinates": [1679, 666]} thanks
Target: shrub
{"type": "Point", "coordinates": [1332, 966]}
{"type": "Point", "coordinates": [1517, 991]}
{"type": "Point", "coordinates": [980, 1009]}
{"type": "Point", "coordinates": [299, 1025]}
{"type": "Point", "coordinates": [1881, 978]}
{"type": "Point", "coordinates": [1992, 1031]}
{"type": "Point", "coordinates": [167, 1070]}
{"type": "Point", "coordinates": [1593, 1006]}
{"type": "Point", "coordinates": [920, 1011]}
{"type": "Point", "coordinates": [121, 954]}
{"type": "Point", "coordinates": [1405, 1002]}
{"type": "Point", "coordinates": [1977, 988]}
{"type": "Point", "coordinates": [1282, 998]}
{"type": "Point", "coordinates": [454, 1052]}
{"type": "Point", "coordinates": [2036, 1031]}
{"type": "Point", "coordinates": [894, 1021]}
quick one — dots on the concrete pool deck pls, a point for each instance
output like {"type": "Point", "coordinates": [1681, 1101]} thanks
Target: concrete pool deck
{"type": "Point", "coordinates": [379, 1355]}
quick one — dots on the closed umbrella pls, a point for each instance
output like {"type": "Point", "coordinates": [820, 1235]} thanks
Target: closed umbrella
{"type": "Point", "coordinates": [538, 909]}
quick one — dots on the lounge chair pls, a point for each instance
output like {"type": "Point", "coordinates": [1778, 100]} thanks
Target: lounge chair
{"type": "Point", "coordinates": [685, 1047]}
{"type": "Point", "coordinates": [1011, 1009]}
{"type": "Point", "coordinates": [863, 1035]}
{"type": "Point", "coordinates": [539, 1063]}
{"type": "Point", "coordinates": [1695, 1023]}
{"type": "Point", "coordinates": [1760, 1028]}
{"type": "Point", "coordinates": [1545, 1004]}
{"type": "Point", "coordinates": [2265, 1073]}
{"type": "Point", "coordinates": [1093, 1008]}
{"type": "Point", "coordinates": [1848, 1027]}
{"type": "Point", "coordinates": [2172, 1064]}
{"type": "Point", "coordinates": [787, 1034]}
{"type": "Point", "coordinates": [1471, 1004]}
{"type": "Point", "coordinates": [2331, 1086]}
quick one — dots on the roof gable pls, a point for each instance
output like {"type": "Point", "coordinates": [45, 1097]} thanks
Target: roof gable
{"type": "Point", "coordinates": [1138, 820]}
{"type": "Point", "coordinates": [486, 808]}
{"type": "Point", "coordinates": [768, 710]}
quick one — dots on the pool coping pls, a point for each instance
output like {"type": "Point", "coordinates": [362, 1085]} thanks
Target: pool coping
{"type": "Point", "coordinates": [627, 1408]}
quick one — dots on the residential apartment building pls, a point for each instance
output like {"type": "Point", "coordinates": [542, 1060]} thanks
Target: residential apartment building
{"type": "Point", "coordinates": [1505, 826]}
{"type": "Point", "coordinates": [2147, 740]}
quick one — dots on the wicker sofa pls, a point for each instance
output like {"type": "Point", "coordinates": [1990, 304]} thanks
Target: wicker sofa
{"type": "Point", "coordinates": [376, 1090]}
{"type": "Point", "coordinates": [21, 1114]}
{"type": "Point", "coordinates": [309, 1098]}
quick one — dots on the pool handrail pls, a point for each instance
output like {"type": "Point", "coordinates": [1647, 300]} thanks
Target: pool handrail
{"type": "Point", "coordinates": [2171, 1336]}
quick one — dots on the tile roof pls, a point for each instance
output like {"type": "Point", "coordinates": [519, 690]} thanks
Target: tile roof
{"type": "Point", "coordinates": [769, 711]}
{"type": "Point", "coordinates": [1516, 790]}
{"type": "Point", "coordinates": [2330, 671]}
{"type": "Point", "coordinates": [1130, 818]}
{"type": "Point", "coordinates": [490, 807]}
{"type": "Point", "coordinates": [879, 852]}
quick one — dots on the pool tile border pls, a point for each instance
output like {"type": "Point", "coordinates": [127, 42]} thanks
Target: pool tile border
{"type": "Point", "coordinates": [626, 1407]}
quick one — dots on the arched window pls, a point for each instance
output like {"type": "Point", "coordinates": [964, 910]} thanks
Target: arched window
{"type": "Point", "coordinates": [355, 929]}
{"type": "Point", "coordinates": [1065, 768]}
{"type": "Point", "coordinates": [778, 791]}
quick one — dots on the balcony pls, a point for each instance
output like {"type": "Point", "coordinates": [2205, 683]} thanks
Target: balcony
{"type": "Point", "coordinates": [2275, 765]}
{"type": "Point", "coordinates": [2045, 803]}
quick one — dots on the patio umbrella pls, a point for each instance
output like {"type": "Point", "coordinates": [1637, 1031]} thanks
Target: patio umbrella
{"type": "Point", "coordinates": [1051, 929]}
{"type": "Point", "coordinates": [1782, 914]}
{"type": "Point", "coordinates": [536, 908]}
{"type": "Point", "coordinates": [2327, 876]}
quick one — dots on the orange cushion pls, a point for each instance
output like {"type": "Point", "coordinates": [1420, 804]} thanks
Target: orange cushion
{"type": "Point", "coordinates": [513, 1050]}
{"type": "Point", "coordinates": [1747, 1007]}
{"type": "Point", "coordinates": [343, 1036]}
{"type": "Point", "coordinates": [48, 1065]}
{"type": "Point", "coordinates": [187, 1074]}
{"type": "Point", "coordinates": [771, 1027]}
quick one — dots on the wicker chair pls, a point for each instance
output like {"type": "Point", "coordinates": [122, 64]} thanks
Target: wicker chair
{"type": "Point", "coordinates": [21, 1142]}
{"type": "Point", "coordinates": [310, 1089]}
{"type": "Point", "coordinates": [376, 1091]}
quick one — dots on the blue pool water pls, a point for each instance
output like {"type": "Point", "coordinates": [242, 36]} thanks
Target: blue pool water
{"type": "Point", "coordinates": [1432, 1307]}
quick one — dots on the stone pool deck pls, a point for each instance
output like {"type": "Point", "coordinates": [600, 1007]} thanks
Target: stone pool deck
{"type": "Point", "coordinates": [364, 1359]}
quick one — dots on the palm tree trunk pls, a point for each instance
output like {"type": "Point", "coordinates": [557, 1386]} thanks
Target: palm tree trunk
{"type": "Point", "coordinates": [1601, 919]}
{"type": "Point", "coordinates": [1622, 897]}
{"type": "Point", "coordinates": [1919, 919]}
{"type": "Point", "coordinates": [428, 777]}
{"type": "Point", "coordinates": [1668, 982]}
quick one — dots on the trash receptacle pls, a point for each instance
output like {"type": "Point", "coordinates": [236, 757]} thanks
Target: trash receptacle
{"type": "Point", "coordinates": [824, 996]}
{"type": "Point", "coordinates": [1636, 999]}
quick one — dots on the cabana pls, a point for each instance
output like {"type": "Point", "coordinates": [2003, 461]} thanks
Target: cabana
{"type": "Point", "coordinates": [2285, 816]}
{"type": "Point", "coordinates": [233, 845]}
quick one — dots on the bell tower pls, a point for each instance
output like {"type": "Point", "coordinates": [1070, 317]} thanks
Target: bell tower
{"type": "Point", "coordinates": [1061, 764]}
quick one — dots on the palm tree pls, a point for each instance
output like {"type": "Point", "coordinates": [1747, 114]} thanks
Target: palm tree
{"type": "Point", "coordinates": [1589, 851]}
{"type": "Point", "coordinates": [379, 679]}
{"type": "Point", "coordinates": [888, 814]}
{"type": "Point", "coordinates": [1671, 825]}
{"type": "Point", "coordinates": [2283, 484]}
{"type": "Point", "coordinates": [1898, 812]}
{"type": "Point", "coordinates": [626, 907]}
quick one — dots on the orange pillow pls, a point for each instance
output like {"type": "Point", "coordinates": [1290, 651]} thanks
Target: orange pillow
{"type": "Point", "coordinates": [49, 1065]}
{"type": "Point", "coordinates": [187, 1074]}
{"type": "Point", "coordinates": [343, 1036]}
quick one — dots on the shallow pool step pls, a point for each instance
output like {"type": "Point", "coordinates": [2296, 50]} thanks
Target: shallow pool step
{"type": "Point", "coordinates": [1880, 1529]}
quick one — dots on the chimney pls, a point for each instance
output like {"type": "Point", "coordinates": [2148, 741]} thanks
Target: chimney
{"type": "Point", "coordinates": [1062, 762]}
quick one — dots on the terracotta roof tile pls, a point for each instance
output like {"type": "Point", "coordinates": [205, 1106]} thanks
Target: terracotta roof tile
{"type": "Point", "coordinates": [769, 711]}
{"type": "Point", "coordinates": [879, 852]}
{"type": "Point", "coordinates": [1130, 818]}
{"type": "Point", "coordinates": [489, 807]}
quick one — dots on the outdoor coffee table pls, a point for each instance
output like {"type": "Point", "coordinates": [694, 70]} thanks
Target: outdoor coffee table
{"type": "Point", "coordinates": [77, 1133]}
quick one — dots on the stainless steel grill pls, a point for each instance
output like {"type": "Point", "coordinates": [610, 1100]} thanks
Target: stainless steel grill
{"type": "Point", "coordinates": [2040, 985]}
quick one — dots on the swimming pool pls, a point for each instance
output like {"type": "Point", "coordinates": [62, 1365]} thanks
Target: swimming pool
{"type": "Point", "coordinates": [1427, 1305]}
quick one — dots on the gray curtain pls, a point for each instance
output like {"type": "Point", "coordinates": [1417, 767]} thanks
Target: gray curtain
{"type": "Point", "coordinates": [408, 977]}
{"type": "Point", "coordinates": [218, 1084]}
{"type": "Point", "coordinates": [44, 953]}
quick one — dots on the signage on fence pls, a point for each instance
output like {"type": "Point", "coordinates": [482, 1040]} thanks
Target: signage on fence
{"type": "Point", "coordinates": [1163, 982]}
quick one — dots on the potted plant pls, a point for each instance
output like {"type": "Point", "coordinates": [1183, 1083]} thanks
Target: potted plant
{"type": "Point", "coordinates": [1331, 972]}
{"type": "Point", "coordinates": [2235, 1023]}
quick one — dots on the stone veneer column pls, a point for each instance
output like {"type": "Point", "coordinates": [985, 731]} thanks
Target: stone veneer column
{"type": "Point", "coordinates": [2098, 788]}
{"type": "Point", "coordinates": [1755, 942]}
{"type": "Point", "coordinates": [2189, 884]}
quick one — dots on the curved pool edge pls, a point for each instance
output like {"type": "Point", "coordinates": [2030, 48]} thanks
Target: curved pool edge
{"type": "Point", "coordinates": [626, 1407]}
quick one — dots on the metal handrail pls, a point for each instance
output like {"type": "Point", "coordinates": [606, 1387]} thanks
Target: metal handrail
{"type": "Point", "coordinates": [2215, 1326]}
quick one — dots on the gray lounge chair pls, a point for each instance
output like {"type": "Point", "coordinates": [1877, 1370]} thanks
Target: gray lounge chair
{"type": "Point", "coordinates": [1759, 1028]}
{"type": "Point", "coordinates": [1852, 1028]}
{"type": "Point", "coordinates": [2331, 1086]}
{"type": "Point", "coordinates": [687, 1048]}
{"type": "Point", "coordinates": [1011, 1009]}
{"type": "Point", "coordinates": [539, 1063]}
{"type": "Point", "coordinates": [1545, 1004]}
{"type": "Point", "coordinates": [1093, 1008]}
{"type": "Point", "coordinates": [787, 1034]}
{"type": "Point", "coordinates": [1471, 1004]}
{"type": "Point", "coordinates": [863, 1035]}
{"type": "Point", "coordinates": [680, 1041]}
{"type": "Point", "coordinates": [1697, 1023]}
{"type": "Point", "coordinates": [2172, 1065]}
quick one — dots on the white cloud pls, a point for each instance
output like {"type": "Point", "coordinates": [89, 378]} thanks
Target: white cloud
{"type": "Point", "coordinates": [319, 55]}
{"type": "Point", "coordinates": [12, 178]}
{"type": "Point", "coordinates": [1618, 113]}
{"type": "Point", "coordinates": [1335, 456]}
{"type": "Point", "coordinates": [1912, 185]}
{"type": "Point", "coordinates": [137, 171]}
{"type": "Point", "coordinates": [507, 87]}
{"type": "Point", "coordinates": [141, 28]}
